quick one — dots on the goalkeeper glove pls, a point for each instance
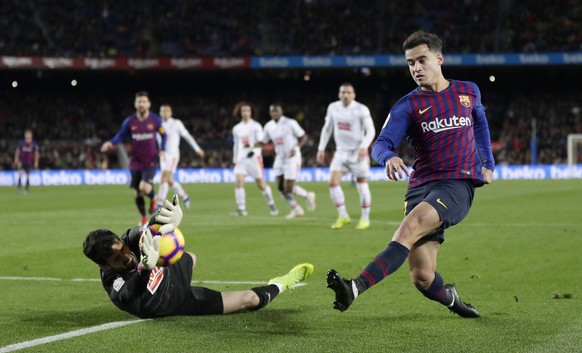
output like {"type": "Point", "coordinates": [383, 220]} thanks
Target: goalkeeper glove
{"type": "Point", "coordinates": [170, 215]}
{"type": "Point", "coordinates": [150, 250]}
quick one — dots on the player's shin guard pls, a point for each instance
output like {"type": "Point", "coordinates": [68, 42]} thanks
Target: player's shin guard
{"type": "Point", "coordinates": [337, 196]}
{"type": "Point", "coordinates": [365, 199]}
{"type": "Point", "coordinates": [266, 294]}
{"type": "Point", "coordinates": [162, 192]}
{"type": "Point", "coordinates": [437, 292]}
{"type": "Point", "coordinates": [387, 262]}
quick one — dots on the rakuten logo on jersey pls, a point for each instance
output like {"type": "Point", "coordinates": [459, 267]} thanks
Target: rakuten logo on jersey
{"type": "Point", "coordinates": [142, 137]}
{"type": "Point", "coordinates": [439, 124]}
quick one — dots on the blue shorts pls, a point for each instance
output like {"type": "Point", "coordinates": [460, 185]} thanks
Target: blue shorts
{"type": "Point", "coordinates": [451, 198]}
{"type": "Point", "coordinates": [137, 176]}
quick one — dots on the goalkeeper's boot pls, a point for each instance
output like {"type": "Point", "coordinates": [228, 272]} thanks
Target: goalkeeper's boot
{"type": "Point", "coordinates": [343, 288]}
{"type": "Point", "coordinates": [340, 222]}
{"type": "Point", "coordinates": [297, 274]}
{"type": "Point", "coordinates": [458, 307]}
{"type": "Point", "coordinates": [364, 224]}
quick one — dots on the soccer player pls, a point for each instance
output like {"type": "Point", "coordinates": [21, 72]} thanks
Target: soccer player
{"type": "Point", "coordinates": [134, 284]}
{"type": "Point", "coordinates": [175, 129]}
{"type": "Point", "coordinates": [288, 138]}
{"type": "Point", "coordinates": [446, 123]}
{"type": "Point", "coordinates": [26, 157]}
{"type": "Point", "coordinates": [248, 159]}
{"type": "Point", "coordinates": [353, 131]}
{"type": "Point", "coordinates": [142, 127]}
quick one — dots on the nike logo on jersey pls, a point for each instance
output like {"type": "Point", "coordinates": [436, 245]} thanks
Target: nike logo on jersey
{"type": "Point", "coordinates": [442, 203]}
{"type": "Point", "coordinates": [422, 111]}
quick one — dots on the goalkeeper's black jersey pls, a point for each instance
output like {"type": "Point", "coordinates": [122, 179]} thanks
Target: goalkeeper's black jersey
{"type": "Point", "coordinates": [159, 292]}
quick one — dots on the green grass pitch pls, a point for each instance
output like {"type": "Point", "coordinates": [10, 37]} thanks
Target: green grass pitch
{"type": "Point", "coordinates": [516, 257]}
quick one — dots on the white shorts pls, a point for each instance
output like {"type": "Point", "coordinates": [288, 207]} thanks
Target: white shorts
{"type": "Point", "coordinates": [169, 162]}
{"type": "Point", "coordinates": [287, 167]}
{"type": "Point", "coordinates": [348, 161]}
{"type": "Point", "coordinates": [252, 166]}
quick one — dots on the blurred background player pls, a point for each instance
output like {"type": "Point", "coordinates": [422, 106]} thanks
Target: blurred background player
{"type": "Point", "coordinates": [142, 127]}
{"type": "Point", "coordinates": [248, 160]}
{"type": "Point", "coordinates": [445, 121]}
{"type": "Point", "coordinates": [288, 138]}
{"type": "Point", "coordinates": [174, 129]}
{"type": "Point", "coordinates": [134, 284]}
{"type": "Point", "coordinates": [25, 158]}
{"type": "Point", "coordinates": [353, 131]}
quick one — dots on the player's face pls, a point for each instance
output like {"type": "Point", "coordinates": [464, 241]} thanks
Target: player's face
{"type": "Point", "coordinates": [245, 112]}
{"type": "Point", "coordinates": [424, 65]}
{"type": "Point", "coordinates": [346, 94]}
{"type": "Point", "coordinates": [121, 258]}
{"type": "Point", "coordinates": [165, 112]}
{"type": "Point", "coordinates": [276, 112]}
{"type": "Point", "coordinates": [28, 136]}
{"type": "Point", "coordinates": [142, 104]}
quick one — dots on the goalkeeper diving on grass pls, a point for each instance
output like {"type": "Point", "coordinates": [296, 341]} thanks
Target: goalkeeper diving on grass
{"type": "Point", "coordinates": [136, 285]}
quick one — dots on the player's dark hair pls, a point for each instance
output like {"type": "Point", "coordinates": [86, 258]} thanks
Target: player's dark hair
{"type": "Point", "coordinates": [432, 41]}
{"type": "Point", "coordinates": [97, 245]}
{"type": "Point", "coordinates": [142, 94]}
{"type": "Point", "coordinates": [239, 105]}
{"type": "Point", "coordinates": [347, 84]}
{"type": "Point", "coordinates": [277, 104]}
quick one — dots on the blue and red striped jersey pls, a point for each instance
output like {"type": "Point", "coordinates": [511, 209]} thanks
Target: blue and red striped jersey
{"type": "Point", "coordinates": [144, 146]}
{"type": "Point", "coordinates": [448, 131]}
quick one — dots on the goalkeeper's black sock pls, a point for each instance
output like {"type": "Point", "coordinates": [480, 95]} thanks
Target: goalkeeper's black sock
{"type": "Point", "coordinates": [140, 203]}
{"type": "Point", "coordinates": [266, 294]}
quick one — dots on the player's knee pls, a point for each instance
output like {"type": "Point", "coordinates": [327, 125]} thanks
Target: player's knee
{"type": "Point", "coordinates": [421, 279]}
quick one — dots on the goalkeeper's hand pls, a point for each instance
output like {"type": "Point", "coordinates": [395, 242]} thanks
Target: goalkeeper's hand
{"type": "Point", "coordinates": [150, 250]}
{"type": "Point", "coordinates": [170, 215]}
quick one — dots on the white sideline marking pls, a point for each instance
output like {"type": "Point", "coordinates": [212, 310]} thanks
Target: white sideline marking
{"type": "Point", "coordinates": [67, 335]}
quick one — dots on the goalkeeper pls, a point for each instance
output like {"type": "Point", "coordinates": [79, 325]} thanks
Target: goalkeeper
{"type": "Point", "coordinates": [135, 285]}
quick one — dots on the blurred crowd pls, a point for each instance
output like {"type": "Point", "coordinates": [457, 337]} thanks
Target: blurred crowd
{"type": "Point", "coordinates": [109, 28]}
{"type": "Point", "coordinates": [70, 129]}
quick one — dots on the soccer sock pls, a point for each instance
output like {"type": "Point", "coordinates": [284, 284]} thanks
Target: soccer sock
{"type": "Point", "coordinates": [365, 200]}
{"type": "Point", "coordinates": [19, 182]}
{"type": "Point", "coordinates": [152, 193]}
{"type": "Point", "coordinates": [266, 294]}
{"type": "Point", "coordinates": [387, 262]}
{"type": "Point", "coordinates": [299, 191]}
{"type": "Point", "coordinates": [240, 197]}
{"type": "Point", "coordinates": [268, 195]}
{"type": "Point", "coordinates": [140, 202]}
{"type": "Point", "coordinates": [337, 196]}
{"type": "Point", "coordinates": [178, 189]}
{"type": "Point", "coordinates": [163, 192]}
{"type": "Point", "coordinates": [437, 292]}
{"type": "Point", "coordinates": [291, 200]}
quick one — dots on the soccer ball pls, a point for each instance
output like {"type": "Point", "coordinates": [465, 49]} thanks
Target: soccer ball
{"type": "Point", "coordinates": [171, 245]}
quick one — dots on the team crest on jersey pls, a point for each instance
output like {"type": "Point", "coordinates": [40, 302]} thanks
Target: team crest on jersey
{"type": "Point", "coordinates": [156, 277]}
{"type": "Point", "coordinates": [150, 126]}
{"type": "Point", "coordinates": [465, 100]}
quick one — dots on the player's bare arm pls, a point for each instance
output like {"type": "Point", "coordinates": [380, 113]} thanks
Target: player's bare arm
{"type": "Point", "coordinates": [394, 168]}
{"type": "Point", "coordinates": [106, 146]}
{"type": "Point", "coordinates": [487, 175]}
{"type": "Point", "coordinates": [320, 157]}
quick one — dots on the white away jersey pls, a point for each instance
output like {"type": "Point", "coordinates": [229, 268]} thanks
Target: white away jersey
{"type": "Point", "coordinates": [285, 135]}
{"type": "Point", "coordinates": [175, 129]}
{"type": "Point", "coordinates": [352, 126]}
{"type": "Point", "coordinates": [246, 134]}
